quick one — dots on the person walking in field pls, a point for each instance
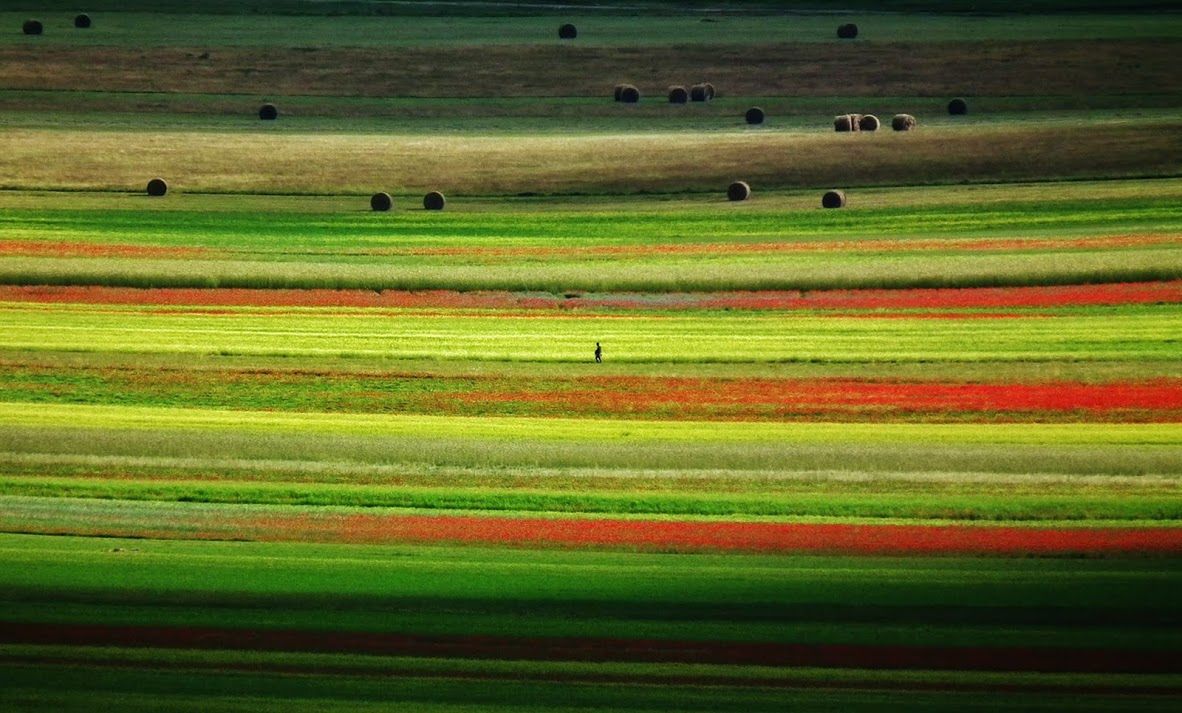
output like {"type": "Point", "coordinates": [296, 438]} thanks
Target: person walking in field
{"type": "Point", "coordinates": [598, 353]}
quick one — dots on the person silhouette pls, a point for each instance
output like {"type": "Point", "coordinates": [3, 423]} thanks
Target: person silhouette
{"type": "Point", "coordinates": [598, 353]}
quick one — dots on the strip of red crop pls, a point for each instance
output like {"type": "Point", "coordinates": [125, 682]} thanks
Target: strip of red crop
{"type": "Point", "coordinates": [599, 649]}
{"type": "Point", "coordinates": [719, 536]}
{"type": "Point", "coordinates": [1126, 293]}
{"type": "Point", "coordinates": [58, 248]}
{"type": "Point", "coordinates": [1155, 400]}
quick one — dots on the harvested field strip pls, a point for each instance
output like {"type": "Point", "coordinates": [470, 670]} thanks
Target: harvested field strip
{"type": "Point", "coordinates": [660, 162]}
{"type": "Point", "coordinates": [1040, 659]}
{"type": "Point", "coordinates": [933, 298]}
{"type": "Point", "coordinates": [1004, 68]}
{"type": "Point", "coordinates": [57, 248]}
{"type": "Point", "coordinates": [649, 397]}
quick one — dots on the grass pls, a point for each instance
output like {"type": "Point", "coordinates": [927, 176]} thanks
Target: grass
{"type": "Point", "coordinates": [667, 162]}
{"type": "Point", "coordinates": [150, 29]}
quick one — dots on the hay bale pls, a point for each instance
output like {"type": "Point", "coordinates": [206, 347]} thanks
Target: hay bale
{"type": "Point", "coordinates": [381, 202]}
{"type": "Point", "coordinates": [710, 93]}
{"type": "Point", "coordinates": [843, 123]}
{"type": "Point", "coordinates": [629, 94]}
{"type": "Point", "coordinates": [847, 31]}
{"type": "Point", "coordinates": [619, 88]}
{"type": "Point", "coordinates": [958, 107]}
{"type": "Point", "coordinates": [678, 95]}
{"type": "Point", "coordinates": [833, 199]}
{"type": "Point", "coordinates": [738, 191]}
{"type": "Point", "coordinates": [434, 201]}
{"type": "Point", "coordinates": [754, 115]}
{"type": "Point", "coordinates": [903, 122]}
{"type": "Point", "coordinates": [157, 187]}
{"type": "Point", "coordinates": [868, 122]}
{"type": "Point", "coordinates": [698, 93]}
{"type": "Point", "coordinates": [32, 27]}
{"type": "Point", "coordinates": [268, 112]}
{"type": "Point", "coordinates": [82, 21]}
{"type": "Point", "coordinates": [855, 122]}
{"type": "Point", "coordinates": [567, 32]}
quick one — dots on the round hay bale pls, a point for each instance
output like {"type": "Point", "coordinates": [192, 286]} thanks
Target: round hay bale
{"type": "Point", "coordinates": [868, 122]}
{"type": "Point", "coordinates": [32, 27]}
{"type": "Point", "coordinates": [738, 191]}
{"type": "Point", "coordinates": [843, 123]}
{"type": "Point", "coordinates": [629, 94]}
{"type": "Point", "coordinates": [698, 93]}
{"type": "Point", "coordinates": [619, 88]}
{"type": "Point", "coordinates": [678, 95]}
{"type": "Point", "coordinates": [958, 107]}
{"type": "Point", "coordinates": [754, 115]}
{"type": "Point", "coordinates": [82, 21]}
{"type": "Point", "coordinates": [833, 199]}
{"type": "Point", "coordinates": [567, 32]}
{"type": "Point", "coordinates": [434, 201]}
{"type": "Point", "coordinates": [268, 112]}
{"type": "Point", "coordinates": [847, 31]}
{"type": "Point", "coordinates": [903, 122]}
{"type": "Point", "coordinates": [381, 202]}
{"type": "Point", "coordinates": [709, 91]}
{"type": "Point", "coordinates": [157, 187]}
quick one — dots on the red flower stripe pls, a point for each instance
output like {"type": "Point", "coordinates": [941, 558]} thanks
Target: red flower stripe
{"type": "Point", "coordinates": [905, 299]}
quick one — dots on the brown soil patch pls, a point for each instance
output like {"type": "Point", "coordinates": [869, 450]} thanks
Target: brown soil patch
{"type": "Point", "coordinates": [883, 69]}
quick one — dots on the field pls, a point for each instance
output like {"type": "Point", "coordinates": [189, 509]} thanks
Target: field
{"type": "Point", "coordinates": [263, 448]}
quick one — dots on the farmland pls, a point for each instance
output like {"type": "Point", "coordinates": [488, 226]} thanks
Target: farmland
{"type": "Point", "coordinates": [263, 448]}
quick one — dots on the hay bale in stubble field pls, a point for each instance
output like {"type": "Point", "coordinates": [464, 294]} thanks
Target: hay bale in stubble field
{"type": "Point", "coordinates": [434, 201]}
{"type": "Point", "coordinates": [755, 115]}
{"type": "Point", "coordinates": [847, 31]}
{"type": "Point", "coordinates": [268, 112]}
{"type": "Point", "coordinates": [903, 122]}
{"type": "Point", "coordinates": [32, 27]}
{"type": "Point", "coordinates": [157, 187]}
{"type": "Point", "coordinates": [843, 123]}
{"type": "Point", "coordinates": [82, 21]}
{"type": "Point", "coordinates": [616, 92]}
{"type": "Point", "coordinates": [710, 92]}
{"type": "Point", "coordinates": [833, 199]}
{"type": "Point", "coordinates": [629, 94]}
{"type": "Point", "coordinates": [678, 95]}
{"type": "Point", "coordinates": [567, 32]}
{"type": "Point", "coordinates": [381, 202]}
{"type": "Point", "coordinates": [958, 107]}
{"type": "Point", "coordinates": [868, 122]}
{"type": "Point", "coordinates": [698, 93]}
{"type": "Point", "coordinates": [738, 191]}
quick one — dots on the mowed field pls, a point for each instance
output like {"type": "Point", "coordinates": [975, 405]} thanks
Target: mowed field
{"type": "Point", "coordinates": [264, 448]}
